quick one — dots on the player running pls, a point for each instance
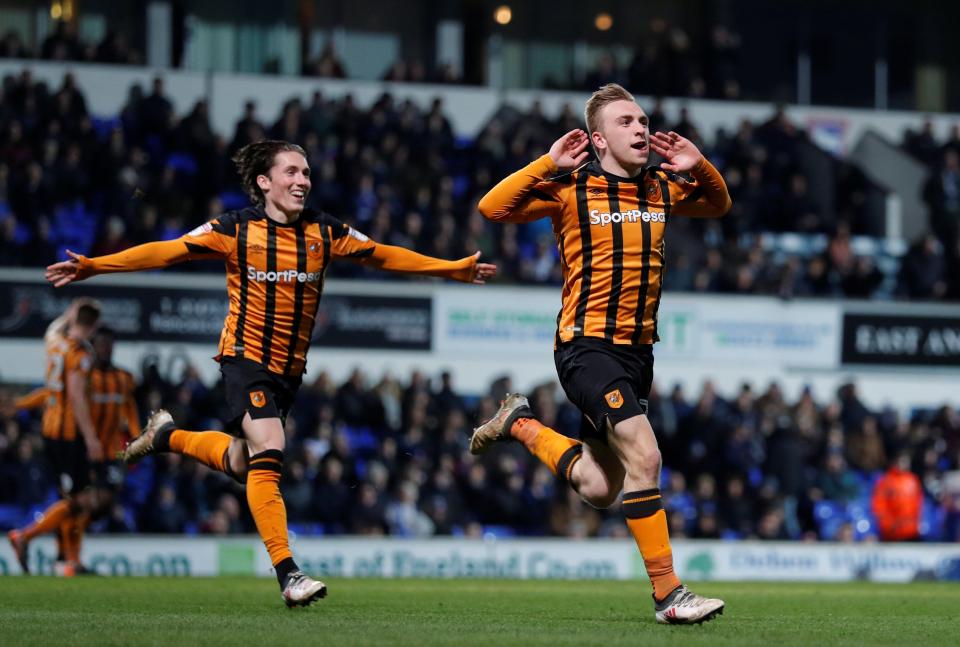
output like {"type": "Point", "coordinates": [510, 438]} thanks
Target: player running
{"type": "Point", "coordinates": [276, 253]}
{"type": "Point", "coordinates": [609, 218]}
{"type": "Point", "coordinates": [70, 438]}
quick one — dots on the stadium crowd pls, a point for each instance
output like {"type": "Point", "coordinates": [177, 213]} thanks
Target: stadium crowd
{"type": "Point", "coordinates": [399, 173]}
{"type": "Point", "coordinates": [381, 455]}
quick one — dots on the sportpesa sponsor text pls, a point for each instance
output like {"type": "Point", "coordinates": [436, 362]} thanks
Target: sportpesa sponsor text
{"type": "Point", "coordinates": [603, 218]}
{"type": "Point", "coordinates": [282, 276]}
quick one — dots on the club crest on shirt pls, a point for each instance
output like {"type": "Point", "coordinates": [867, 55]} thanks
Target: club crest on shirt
{"type": "Point", "coordinates": [315, 250]}
{"type": "Point", "coordinates": [653, 192]}
{"type": "Point", "coordinates": [614, 399]}
{"type": "Point", "coordinates": [257, 398]}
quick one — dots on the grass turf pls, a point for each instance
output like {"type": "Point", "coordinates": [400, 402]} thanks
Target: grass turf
{"type": "Point", "coordinates": [247, 611]}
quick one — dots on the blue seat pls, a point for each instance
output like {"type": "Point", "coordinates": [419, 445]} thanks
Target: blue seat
{"type": "Point", "coordinates": [861, 516]}
{"type": "Point", "coordinates": [499, 532]}
{"type": "Point", "coordinates": [829, 516]}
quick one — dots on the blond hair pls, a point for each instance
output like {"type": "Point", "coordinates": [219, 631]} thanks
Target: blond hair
{"type": "Point", "coordinates": [604, 96]}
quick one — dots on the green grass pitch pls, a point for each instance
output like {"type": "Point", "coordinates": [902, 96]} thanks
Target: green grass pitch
{"type": "Point", "coordinates": [247, 611]}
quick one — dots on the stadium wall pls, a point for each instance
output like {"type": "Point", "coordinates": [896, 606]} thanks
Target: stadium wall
{"type": "Point", "coordinates": [903, 355]}
{"type": "Point", "coordinates": [504, 558]}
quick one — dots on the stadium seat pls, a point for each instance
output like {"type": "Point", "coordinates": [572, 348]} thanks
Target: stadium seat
{"type": "Point", "coordinates": [829, 515]}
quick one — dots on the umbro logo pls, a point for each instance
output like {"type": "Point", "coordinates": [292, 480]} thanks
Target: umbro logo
{"type": "Point", "coordinates": [595, 191]}
{"type": "Point", "coordinates": [256, 249]}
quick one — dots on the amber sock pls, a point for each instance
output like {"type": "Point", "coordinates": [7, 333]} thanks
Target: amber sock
{"type": "Point", "coordinates": [49, 521]}
{"type": "Point", "coordinates": [72, 530]}
{"type": "Point", "coordinates": [268, 510]}
{"type": "Point", "coordinates": [208, 447]}
{"type": "Point", "coordinates": [556, 451]}
{"type": "Point", "coordinates": [648, 522]}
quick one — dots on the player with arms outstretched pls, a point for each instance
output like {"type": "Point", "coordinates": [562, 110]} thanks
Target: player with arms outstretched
{"type": "Point", "coordinates": [276, 253]}
{"type": "Point", "coordinates": [609, 218]}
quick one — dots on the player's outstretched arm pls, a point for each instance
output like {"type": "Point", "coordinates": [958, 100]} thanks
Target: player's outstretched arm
{"type": "Point", "coordinates": [33, 400]}
{"type": "Point", "coordinates": [400, 259]}
{"type": "Point", "coordinates": [141, 257]}
{"type": "Point", "coordinates": [523, 196]}
{"type": "Point", "coordinates": [682, 156]}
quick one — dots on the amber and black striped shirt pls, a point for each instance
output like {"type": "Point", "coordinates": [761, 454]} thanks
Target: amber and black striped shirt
{"type": "Point", "coordinates": [64, 356]}
{"type": "Point", "coordinates": [275, 275]}
{"type": "Point", "coordinates": [610, 237]}
{"type": "Point", "coordinates": [113, 407]}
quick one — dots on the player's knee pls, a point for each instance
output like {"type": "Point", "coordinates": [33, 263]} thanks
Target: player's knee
{"type": "Point", "coordinates": [595, 489]}
{"type": "Point", "coordinates": [645, 464]}
{"type": "Point", "coordinates": [600, 498]}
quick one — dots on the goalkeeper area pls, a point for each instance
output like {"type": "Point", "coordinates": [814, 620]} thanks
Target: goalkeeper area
{"type": "Point", "coordinates": [243, 611]}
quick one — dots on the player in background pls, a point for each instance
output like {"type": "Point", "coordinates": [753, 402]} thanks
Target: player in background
{"type": "Point", "coordinates": [276, 253]}
{"type": "Point", "coordinates": [609, 218]}
{"type": "Point", "coordinates": [70, 439]}
{"type": "Point", "coordinates": [113, 409]}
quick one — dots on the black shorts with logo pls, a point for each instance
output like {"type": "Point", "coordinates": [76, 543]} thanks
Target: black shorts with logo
{"type": "Point", "coordinates": [251, 388]}
{"type": "Point", "coordinates": [605, 381]}
{"type": "Point", "coordinates": [71, 468]}
{"type": "Point", "coordinates": [108, 474]}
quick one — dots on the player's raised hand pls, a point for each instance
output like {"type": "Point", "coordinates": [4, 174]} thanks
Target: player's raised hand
{"type": "Point", "coordinates": [570, 151]}
{"type": "Point", "coordinates": [482, 271]}
{"type": "Point", "coordinates": [66, 272]}
{"type": "Point", "coordinates": [679, 153]}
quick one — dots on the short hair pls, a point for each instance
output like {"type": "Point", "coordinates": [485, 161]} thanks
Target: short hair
{"type": "Point", "coordinates": [257, 159]}
{"type": "Point", "coordinates": [88, 314]}
{"type": "Point", "coordinates": [607, 94]}
{"type": "Point", "coordinates": [106, 331]}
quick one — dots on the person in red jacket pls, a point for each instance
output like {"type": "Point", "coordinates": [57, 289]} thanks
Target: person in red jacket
{"type": "Point", "coordinates": [898, 501]}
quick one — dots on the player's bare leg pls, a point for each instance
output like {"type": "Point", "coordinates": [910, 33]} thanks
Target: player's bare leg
{"type": "Point", "coordinates": [265, 444]}
{"type": "Point", "coordinates": [634, 443]}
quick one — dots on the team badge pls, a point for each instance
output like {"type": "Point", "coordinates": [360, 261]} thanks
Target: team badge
{"type": "Point", "coordinates": [653, 192]}
{"type": "Point", "coordinates": [614, 399]}
{"type": "Point", "coordinates": [314, 249]}
{"type": "Point", "coordinates": [258, 399]}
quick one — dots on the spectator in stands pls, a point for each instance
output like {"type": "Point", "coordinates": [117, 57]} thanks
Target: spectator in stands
{"type": "Point", "coordinates": [11, 46]}
{"type": "Point", "coordinates": [942, 195]}
{"type": "Point", "coordinates": [898, 501]}
{"type": "Point", "coordinates": [922, 270]}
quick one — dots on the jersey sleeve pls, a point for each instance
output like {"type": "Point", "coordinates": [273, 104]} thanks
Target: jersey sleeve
{"type": "Point", "coordinates": [78, 359]}
{"type": "Point", "coordinates": [345, 241]}
{"type": "Point", "coordinates": [216, 238]}
{"type": "Point", "coordinates": [704, 195]}
{"type": "Point", "coordinates": [524, 196]}
{"type": "Point", "coordinates": [209, 241]}
{"type": "Point", "coordinates": [33, 400]}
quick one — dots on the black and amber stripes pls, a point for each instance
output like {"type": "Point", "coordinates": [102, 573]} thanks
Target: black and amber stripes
{"type": "Point", "coordinates": [270, 460]}
{"type": "Point", "coordinates": [297, 300]}
{"type": "Point", "coordinates": [270, 300]}
{"type": "Point", "coordinates": [113, 409]}
{"type": "Point", "coordinates": [642, 503]}
{"type": "Point", "coordinates": [567, 460]}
